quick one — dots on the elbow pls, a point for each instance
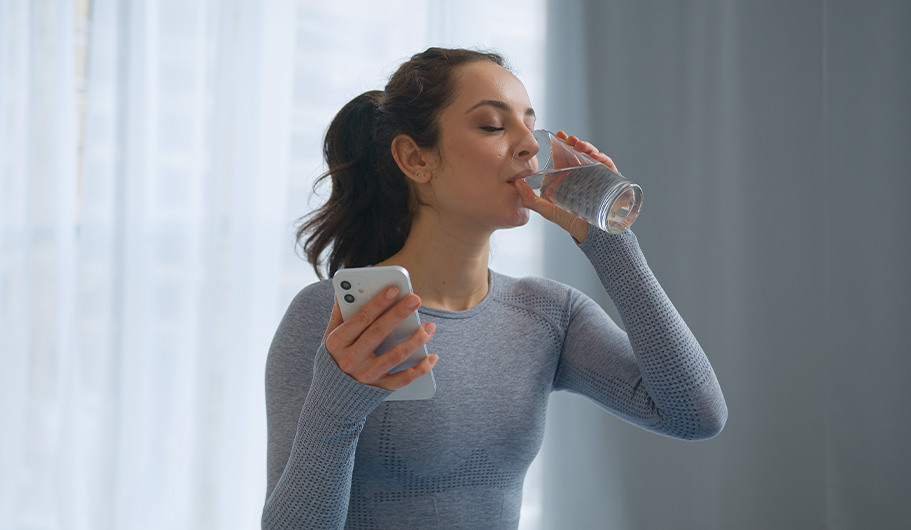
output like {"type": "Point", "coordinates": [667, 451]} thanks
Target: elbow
{"type": "Point", "coordinates": [710, 422]}
{"type": "Point", "coordinates": [711, 414]}
{"type": "Point", "coordinates": [713, 424]}
{"type": "Point", "coordinates": [699, 424]}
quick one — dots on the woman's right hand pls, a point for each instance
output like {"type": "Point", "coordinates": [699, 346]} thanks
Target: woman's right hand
{"type": "Point", "coordinates": [352, 343]}
{"type": "Point", "coordinates": [572, 223]}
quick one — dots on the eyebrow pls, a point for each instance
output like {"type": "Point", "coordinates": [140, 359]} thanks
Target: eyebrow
{"type": "Point", "coordinates": [499, 105]}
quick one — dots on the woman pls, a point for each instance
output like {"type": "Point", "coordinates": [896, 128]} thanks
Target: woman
{"type": "Point", "coordinates": [422, 174]}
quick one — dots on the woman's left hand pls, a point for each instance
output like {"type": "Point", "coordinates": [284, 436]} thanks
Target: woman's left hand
{"type": "Point", "coordinates": [572, 223]}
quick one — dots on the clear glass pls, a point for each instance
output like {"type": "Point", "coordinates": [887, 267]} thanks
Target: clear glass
{"type": "Point", "coordinates": [589, 189]}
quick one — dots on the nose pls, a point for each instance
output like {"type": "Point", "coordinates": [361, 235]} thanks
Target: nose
{"type": "Point", "coordinates": [527, 147]}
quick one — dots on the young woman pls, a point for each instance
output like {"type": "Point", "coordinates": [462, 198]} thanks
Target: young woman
{"type": "Point", "coordinates": [422, 174]}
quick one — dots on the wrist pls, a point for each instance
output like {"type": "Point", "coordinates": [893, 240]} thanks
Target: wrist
{"type": "Point", "coordinates": [579, 231]}
{"type": "Point", "coordinates": [338, 395]}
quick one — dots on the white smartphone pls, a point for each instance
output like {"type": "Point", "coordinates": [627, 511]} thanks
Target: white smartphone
{"type": "Point", "coordinates": [355, 287]}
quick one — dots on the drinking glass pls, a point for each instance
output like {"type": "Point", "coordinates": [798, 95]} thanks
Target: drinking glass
{"type": "Point", "coordinates": [587, 188]}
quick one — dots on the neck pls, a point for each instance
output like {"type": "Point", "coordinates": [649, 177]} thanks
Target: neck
{"type": "Point", "coordinates": [447, 263]}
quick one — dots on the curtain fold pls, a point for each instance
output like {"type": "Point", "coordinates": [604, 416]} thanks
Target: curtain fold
{"type": "Point", "coordinates": [37, 149]}
{"type": "Point", "coordinates": [139, 294]}
{"type": "Point", "coordinates": [769, 139]}
{"type": "Point", "coordinates": [146, 246]}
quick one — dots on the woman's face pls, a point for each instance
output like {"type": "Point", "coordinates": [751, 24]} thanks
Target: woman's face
{"type": "Point", "coordinates": [486, 142]}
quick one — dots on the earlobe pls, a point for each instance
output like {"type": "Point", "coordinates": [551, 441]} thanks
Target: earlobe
{"type": "Point", "coordinates": [410, 158]}
{"type": "Point", "coordinates": [420, 177]}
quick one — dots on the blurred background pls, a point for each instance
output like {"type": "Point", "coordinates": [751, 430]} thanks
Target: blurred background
{"type": "Point", "coordinates": [154, 157]}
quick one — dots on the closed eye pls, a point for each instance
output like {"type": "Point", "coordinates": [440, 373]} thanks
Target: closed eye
{"type": "Point", "coordinates": [492, 129]}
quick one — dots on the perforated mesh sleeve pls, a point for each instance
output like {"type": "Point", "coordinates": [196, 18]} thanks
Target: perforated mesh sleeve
{"type": "Point", "coordinates": [339, 456]}
{"type": "Point", "coordinates": [656, 374]}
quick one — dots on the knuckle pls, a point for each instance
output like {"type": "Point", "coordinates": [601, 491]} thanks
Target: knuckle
{"type": "Point", "coordinates": [406, 306]}
{"type": "Point", "coordinates": [333, 342]}
{"type": "Point", "coordinates": [403, 351]}
{"type": "Point", "coordinates": [380, 302]}
{"type": "Point", "coordinates": [418, 342]}
{"type": "Point", "coordinates": [373, 373]}
{"type": "Point", "coordinates": [391, 358]}
{"type": "Point", "coordinates": [422, 369]}
{"type": "Point", "coordinates": [417, 371]}
{"type": "Point", "coordinates": [375, 333]}
{"type": "Point", "coordinates": [362, 318]}
{"type": "Point", "coordinates": [347, 364]}
{"type": "Point", "coordinates": [398, 380]}
{"type": "Point", "coordinates": [402, 310]}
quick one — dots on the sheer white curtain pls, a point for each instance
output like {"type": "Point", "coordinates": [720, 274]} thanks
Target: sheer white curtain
{"type": "Point", "coordinates": [146, 249]}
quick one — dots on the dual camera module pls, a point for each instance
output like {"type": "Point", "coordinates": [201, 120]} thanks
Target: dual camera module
{"type": "Point", "coordinates": [346, 285]}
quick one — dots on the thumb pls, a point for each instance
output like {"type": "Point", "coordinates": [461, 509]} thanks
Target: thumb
{"type": "Point", "coordinates": [572, 223]}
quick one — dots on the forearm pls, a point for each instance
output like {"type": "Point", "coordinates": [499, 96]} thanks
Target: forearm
{"type": "Point", "coordinates": [674, 369]}
{"type": "Point", "coordinates": [314, 488]}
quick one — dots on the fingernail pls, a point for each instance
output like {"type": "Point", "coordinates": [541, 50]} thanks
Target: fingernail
{"type": "Point", "coordinates": [430, 328]}
{"type": "Point", "coordinates": [523, 190]}
{"type": "Point", "coordinates": [433, 360]}
{"type": "Point", "coordinates": [392, 292]}
{"type": "Point", "coordinates": [412, 302]}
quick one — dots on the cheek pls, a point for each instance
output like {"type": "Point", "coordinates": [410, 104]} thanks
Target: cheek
{"type": "Point", "coordinates": [475, 157]}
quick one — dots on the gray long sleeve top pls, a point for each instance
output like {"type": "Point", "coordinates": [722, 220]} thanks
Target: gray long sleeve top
{"type": "Point", "coordinates": [341, 457]}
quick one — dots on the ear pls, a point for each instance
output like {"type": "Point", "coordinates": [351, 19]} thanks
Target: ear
{"type": "Point", "coordinates": [411, 158]}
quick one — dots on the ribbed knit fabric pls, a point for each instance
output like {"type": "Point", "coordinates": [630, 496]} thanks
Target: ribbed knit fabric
{"type": "Point", "coordinates": [341, 457]}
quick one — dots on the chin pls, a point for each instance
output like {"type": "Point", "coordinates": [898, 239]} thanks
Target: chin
{"type": "Point", "coordinates": [519, 218]}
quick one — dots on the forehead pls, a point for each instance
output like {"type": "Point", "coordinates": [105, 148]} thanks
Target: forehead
{"type": "Point", "coordinates": [484, 80]}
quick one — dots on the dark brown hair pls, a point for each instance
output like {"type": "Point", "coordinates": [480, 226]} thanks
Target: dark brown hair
{"type": "Point", "coordinates": [369, 212]}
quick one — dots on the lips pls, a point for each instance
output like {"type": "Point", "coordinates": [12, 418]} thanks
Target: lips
{"type": "Point", "coordinates": [520, 175]}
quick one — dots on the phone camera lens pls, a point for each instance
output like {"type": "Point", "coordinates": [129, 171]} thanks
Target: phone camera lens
{"type": "Point", "coordinates": [349, 297]}
{"type": "Point", "coordinates": [345, 284]}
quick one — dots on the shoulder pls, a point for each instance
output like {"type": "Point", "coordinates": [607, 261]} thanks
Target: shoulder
{"type": "Point", "coordinates": [314, 298]}
{"type": "Point", "coordinates": [531, 289]}
{"type": "Point", "coordinates": [555, 301]}
{"type": "Point", "coordinates": [304, 321]}
{"type": "Point", "coordinates": [311, 306]}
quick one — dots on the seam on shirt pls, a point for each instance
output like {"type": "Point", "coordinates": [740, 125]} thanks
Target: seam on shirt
{"type": "Point", "coordinates": [550, 320]}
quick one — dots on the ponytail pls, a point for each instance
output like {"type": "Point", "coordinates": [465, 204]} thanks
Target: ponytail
{"type": "Point", "coordinates": [372, 204]}
{"type": "Point", "coordinates": [368, 214]}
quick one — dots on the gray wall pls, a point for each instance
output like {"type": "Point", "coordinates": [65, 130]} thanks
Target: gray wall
{"type": "Point", "coordinates": [771, 140]}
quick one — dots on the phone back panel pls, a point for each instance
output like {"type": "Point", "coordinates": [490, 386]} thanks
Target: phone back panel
{"type": "Point", "coordinates": [357, 286]}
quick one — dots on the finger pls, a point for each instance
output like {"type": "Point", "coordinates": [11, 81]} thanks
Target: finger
{"type": "Point", "coordinates": [563, 159]}
{"type": "Point", "coordinates": [592, 152]}
{"type": "Point", "coordinates": [388, 360]}
{"type": "Point", "coordinates": [526, 194]}
{"type": "Point", "coordinates": [606, 160]}
{"type": "Point", "coordinates": [585, 147]}
{"type": "Point", "coordinates": [409, 375]}
{"type": "Point", "coordinates": [569, 139]}
{"type": "Point", "coordinates": [567, 220]}
{"type": "Point", "coordinates": [351, 329]}
{"type": "Point", "coordinates": [335, 320]}
{"type": "Point", "coordinates": [383, 326]}
{"type": "Point", "coordinates": [589, 149]}
{"type": "Point", "coordinates": [531, 201]}
{"type": "Point", "coordinates": [535, 203]}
